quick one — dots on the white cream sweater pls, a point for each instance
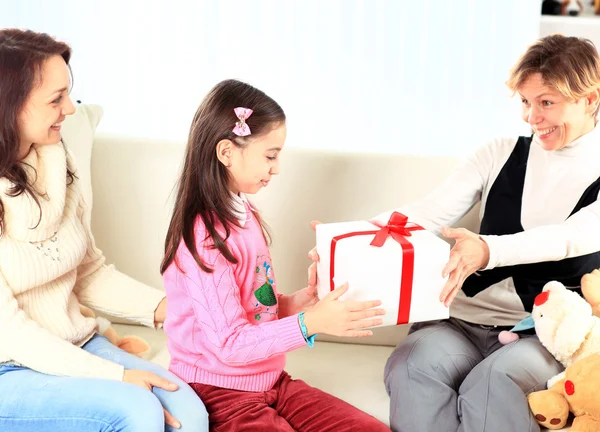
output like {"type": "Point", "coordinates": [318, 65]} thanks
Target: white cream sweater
{"type": "Point", "coordinates": [49, 266]}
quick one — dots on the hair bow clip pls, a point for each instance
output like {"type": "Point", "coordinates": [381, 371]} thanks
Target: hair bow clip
{"type": "Point", "coordinates": [241, 127]}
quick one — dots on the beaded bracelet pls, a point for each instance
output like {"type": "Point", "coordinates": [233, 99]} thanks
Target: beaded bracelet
{"type": "Point", "coordinates": [309, 340]}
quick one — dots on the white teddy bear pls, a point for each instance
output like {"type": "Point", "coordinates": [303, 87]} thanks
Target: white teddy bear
{"type": "Point", "coordinates": [565, 324]}
{"type": "Point", "coordinates": [564, 321]}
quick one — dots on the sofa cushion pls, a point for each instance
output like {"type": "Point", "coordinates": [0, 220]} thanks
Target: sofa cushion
{"type": "Point", "coordinates": [351, 372]}
{"type": "Point", "coordinates": [78, 135]}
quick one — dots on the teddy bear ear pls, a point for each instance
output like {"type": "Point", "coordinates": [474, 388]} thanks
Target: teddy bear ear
{"type": "Point", "coordinates": [549, 288]}
{"type": "Point", "coordinates": [541, 298]}
{"type": "Point", "coordinates": [553, 286]}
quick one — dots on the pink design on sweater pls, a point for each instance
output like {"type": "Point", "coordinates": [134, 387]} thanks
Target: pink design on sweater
{"type": "Point", "coordinates": [222, 327]}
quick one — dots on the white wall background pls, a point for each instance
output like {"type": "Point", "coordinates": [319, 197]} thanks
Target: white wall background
{"type": "Point", "coordinates": [418, 77]}
{"type": "Point", "coordinates": [586, 26]}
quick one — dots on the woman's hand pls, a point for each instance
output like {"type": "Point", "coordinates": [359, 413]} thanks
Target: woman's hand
{"type": "Point", "coordinates": [161, 312]}
{"type": "Point", "coordinates": [303, 299]}
{"type": "Point", "coordinates": [469, 254]}
{"type": "Point", "coordinates": [148, 380]}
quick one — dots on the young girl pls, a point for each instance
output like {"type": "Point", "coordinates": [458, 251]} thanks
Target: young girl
{"type": "Point", "coordinates": [228, 328]}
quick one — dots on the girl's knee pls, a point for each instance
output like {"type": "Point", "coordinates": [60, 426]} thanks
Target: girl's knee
{"type": "Point", "coordinates": [374, 425]}
{"type": "Point", "coordinates": [354, 419]}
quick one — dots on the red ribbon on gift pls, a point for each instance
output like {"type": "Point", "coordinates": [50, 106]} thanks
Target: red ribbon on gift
{"type": "Point", "coordinates": [398, 228]}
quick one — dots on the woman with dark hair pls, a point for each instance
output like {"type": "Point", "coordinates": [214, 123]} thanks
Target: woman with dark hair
{"type": "Point", "coordinates": [56, 372]}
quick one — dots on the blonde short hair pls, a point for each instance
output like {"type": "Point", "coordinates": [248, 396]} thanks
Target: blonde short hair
{"type": "Point", "coordinates": [570, 65]}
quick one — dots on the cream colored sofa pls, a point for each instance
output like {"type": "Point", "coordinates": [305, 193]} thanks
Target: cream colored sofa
{"type": "Point", "coordinates": [133, 180]}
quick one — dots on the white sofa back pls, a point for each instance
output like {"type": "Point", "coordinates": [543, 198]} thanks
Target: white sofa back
{"type": "Point", "coordinates": [133, 181]}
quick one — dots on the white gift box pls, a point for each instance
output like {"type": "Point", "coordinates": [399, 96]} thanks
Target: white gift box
{"type": "Point", "coordinates": [377, 273]}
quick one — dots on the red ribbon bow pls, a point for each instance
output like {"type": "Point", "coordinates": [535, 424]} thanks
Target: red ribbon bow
{"type": "Point", "coordinates": [397, 228]}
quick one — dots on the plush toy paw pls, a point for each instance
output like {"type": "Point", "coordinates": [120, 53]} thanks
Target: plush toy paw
{"type": "Point", "coordinates": [590, 288]}
{"type": "Point", "coordinates": [576, 393]}
{"type": "Point", "coordinates": [506, 337]}
{"type": "Point", "coordinates": [549, 408]}
{"type": "Point", "coordinates": [585, 423]}
{"type": "Point", "coordinates": [131, 344]}
{"type": "Point", "coordinates": [134, 345]}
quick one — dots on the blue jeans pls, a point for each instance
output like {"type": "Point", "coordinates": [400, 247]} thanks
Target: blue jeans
{"type": "Point", "coordinates": [31, 401]}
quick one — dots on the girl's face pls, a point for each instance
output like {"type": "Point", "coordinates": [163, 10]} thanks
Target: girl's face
{"type": "Point", "coordinates": [46, 106]}
{"type": "Point", "coordinates": [555, 120]}
{"type": "Point", "coordinates": [253, 166]}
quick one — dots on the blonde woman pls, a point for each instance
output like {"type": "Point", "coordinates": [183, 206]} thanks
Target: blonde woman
{"type": "Point", "coordinates": [540, 221]}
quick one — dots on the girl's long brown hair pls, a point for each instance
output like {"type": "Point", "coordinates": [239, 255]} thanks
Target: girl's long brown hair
{"type": "Point", "coordinates": [22, 57]}
{"type": "Point", "coordinates": [202, 189]}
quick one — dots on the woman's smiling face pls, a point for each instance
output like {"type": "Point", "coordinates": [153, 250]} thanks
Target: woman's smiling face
{"type": "Point", "coordinates": [556, 120]}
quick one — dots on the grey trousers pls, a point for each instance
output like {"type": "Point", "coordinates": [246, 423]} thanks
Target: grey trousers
{"type": "Point", "coordinates": [450, 376]}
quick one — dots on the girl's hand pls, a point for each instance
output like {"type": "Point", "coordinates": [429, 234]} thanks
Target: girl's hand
{"type": "Point", "coordinates": [342, 318]}
{"type": "Point", "coordinates": [148, 380]}
{"type": "Point", "coordinates": [312, 254]}
{"type": "Point", "coordinates": [469, 254]}
{"type": "Point", "coordinates": [303, 299]}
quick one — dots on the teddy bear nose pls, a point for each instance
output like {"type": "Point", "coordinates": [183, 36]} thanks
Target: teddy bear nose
{"type": "Point", "coordinates": [541, 298]}
{"type": "Point", "coordinates": [569, 387]}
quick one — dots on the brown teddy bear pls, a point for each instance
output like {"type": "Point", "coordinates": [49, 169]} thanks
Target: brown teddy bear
{"type": "Point", "coordinates": [577, 393]}
{"type": "Point", "coordinates": [590, 288]}
{"type": "Point", "coordinates": [131, 344]}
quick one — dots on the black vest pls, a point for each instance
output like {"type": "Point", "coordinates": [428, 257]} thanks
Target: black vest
{"type": "Point", "coordinates": [502, 215]}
